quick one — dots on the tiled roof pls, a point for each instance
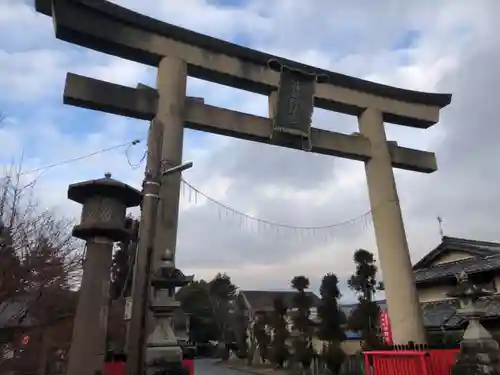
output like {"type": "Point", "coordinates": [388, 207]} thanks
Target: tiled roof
{"type": "Point", "coordinates": [12, 314]}
{"type": "Point", "coordinates": [347, 308]}
{"type": "Point", "coordinates": [479, 249]}
{"type": "Point", "coordinates": [20, 311]}
{"type": "Point", "coordinates": [442, 313]}
{"type": "Point", "coordinates": [451, 269]}
{"type": "Point", "coordinates": [263, 300]}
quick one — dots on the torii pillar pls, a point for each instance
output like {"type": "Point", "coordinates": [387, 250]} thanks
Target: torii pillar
{"type": "Point", "coordinates": [399, 282]}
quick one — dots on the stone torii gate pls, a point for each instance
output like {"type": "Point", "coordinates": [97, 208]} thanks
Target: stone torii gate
{"type": "Point", "coordinates": [293, 89]}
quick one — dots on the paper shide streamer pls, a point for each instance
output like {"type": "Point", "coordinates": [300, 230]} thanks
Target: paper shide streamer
{"type": "Point", "coordinates": [251, 223]}
{"type": "Point", "coordinates": [243, 221]}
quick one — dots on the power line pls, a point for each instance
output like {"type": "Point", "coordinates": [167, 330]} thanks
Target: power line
{"type": "Point", "coordinates": [67, 161]}
{"type": "Point", "coordinates": [139, 163]}
{"type": "Point", "coordinates": [72, 160]}
{"type": "Point", "coordinates": [234, 212]}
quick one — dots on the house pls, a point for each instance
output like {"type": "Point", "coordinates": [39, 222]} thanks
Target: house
{"type": "Point", "coordinates": [258, 301]}
{"type": "Point", "coordinates": [34, 334]}
{"type": "Point", "coordinates": [435, 276]}
{"type": "Point", "coordinates": [253, 303]}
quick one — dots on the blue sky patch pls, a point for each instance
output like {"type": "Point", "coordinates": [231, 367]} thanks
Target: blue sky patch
{"type": "Point", "coordinates": [407, 40]}
{"type": "Point", "coordinates": [228, 3]}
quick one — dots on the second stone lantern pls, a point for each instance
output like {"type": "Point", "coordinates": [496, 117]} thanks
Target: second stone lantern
{"type": "Point", "coordinates": [105, 202]}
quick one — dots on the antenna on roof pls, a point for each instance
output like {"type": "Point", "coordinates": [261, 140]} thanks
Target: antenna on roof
{"type": "Point", "coordinates": [441, 230]}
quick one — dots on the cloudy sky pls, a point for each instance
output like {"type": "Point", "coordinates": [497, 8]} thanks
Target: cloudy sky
{"type": "Point", "coordinates": [437, 46]}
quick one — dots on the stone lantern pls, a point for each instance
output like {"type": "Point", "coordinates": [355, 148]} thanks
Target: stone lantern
{"type": "Point", "coordinates": [479, 352]}
{"type": "Point", "coordinates": [163, 350]}
{"type": "Point", "coordinates": [102, 222]}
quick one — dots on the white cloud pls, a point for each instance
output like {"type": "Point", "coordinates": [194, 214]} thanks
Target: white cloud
{"type": "Point", "coordinates": [451, 47]}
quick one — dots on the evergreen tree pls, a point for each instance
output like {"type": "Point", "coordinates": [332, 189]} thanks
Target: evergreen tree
{"type": "Point", "coordinates": [280, 332]}
{"type": "Point", "coordinates": [222, 293]}
{"type": "Point", "coordinates": [363, 282]}
{"type": "Point", "coordinates": [302, 302]}
{"type": "Point", "coordinates": [121, 272]}
{"type": "Point", "coordinates": [121, 282]}
{"type": "Point", "coordinates": [195, 300]}
{"type": "Point", "coordinates": [240, 329]}
{"type": "Point", "coordinates": [262, 336]}
{"type": "Point", "coordinates": [331, 320]}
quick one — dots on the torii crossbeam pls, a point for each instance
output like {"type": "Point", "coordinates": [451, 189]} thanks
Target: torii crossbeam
{"type": "Point", "coordinates": [293, 89]}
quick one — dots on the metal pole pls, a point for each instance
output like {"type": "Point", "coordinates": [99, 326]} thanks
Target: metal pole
{"type": "Point", "coordinates": [140, 289]}
{"type": "Point", "coordinates": [179, 168]}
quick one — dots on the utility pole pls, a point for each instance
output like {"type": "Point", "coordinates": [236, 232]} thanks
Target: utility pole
{"type": "Point", "coordinates": [171, 86]}
{"type": "Point", "coordinates": [141, 288]}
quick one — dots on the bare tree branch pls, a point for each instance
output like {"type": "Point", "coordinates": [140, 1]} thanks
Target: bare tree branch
{"type": "Point", "coordinates": [37, 250]}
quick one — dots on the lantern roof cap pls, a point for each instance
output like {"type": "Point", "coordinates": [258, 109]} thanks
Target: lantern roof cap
{"type": "Point", "coordinates": [80, 192]}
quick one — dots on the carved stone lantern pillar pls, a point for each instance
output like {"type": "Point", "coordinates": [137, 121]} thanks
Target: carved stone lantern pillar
{"type": "Point", "coordinates": [102, 222]}
{"type": "Point", "coordinates": [479, 352]}
{"type": "Point", "coordinates": [163, 350]}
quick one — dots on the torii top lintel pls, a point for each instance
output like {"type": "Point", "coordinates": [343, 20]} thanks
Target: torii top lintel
{"type": "Point", "coordinates": [111, 29]}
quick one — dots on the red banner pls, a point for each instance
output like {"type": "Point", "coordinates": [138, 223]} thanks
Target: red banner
{"type": "Point", "coordinates": [385, 327]}
{"type": "Point", "coordinates": [25, 340]}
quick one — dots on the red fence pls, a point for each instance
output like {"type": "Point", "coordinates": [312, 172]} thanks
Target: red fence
{"type": "Point", "coordinates": [189, 364]}
{"type": "Point", "coordinates": [410, 362]}
{"type": "Point", "coordinates": [118, 368]}
{"type": "Point", "coordinates": [114, 368]}
{"type": "Point", "coordinates": [440, 361]}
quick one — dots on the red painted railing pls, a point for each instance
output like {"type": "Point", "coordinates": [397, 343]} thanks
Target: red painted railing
{"type": "Point", "coordinates": [410, 362]}
{"type": "Point", "coordinates": [118, 368]}
{"type": "Point", "coordinates": [114, 368]}
{"type": "Point", "coordinates": [189, 364]}
{"type": "Point", "coordinates": [404, 362]}
{"type": "Point", "coordinates": [440, 361]}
